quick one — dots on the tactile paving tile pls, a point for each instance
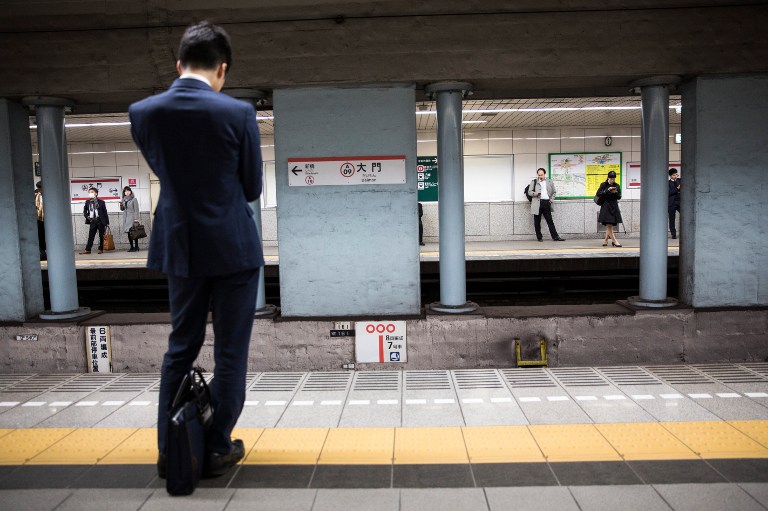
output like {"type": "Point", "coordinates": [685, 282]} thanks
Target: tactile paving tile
{"type": "Point", "coordinates": [501, 444]}
{"type": "Point", "coordinates": [429, 445]}
{"type": "Point", "coordinates": [83, 446]}
{"type": "Point", "coordinates": [138, 449]}
{"type": "Point", "coordinates": [756, 430]}
{"type": "Point", "coordinates": [645, 441]}
{"type": "Point", "coordinates": [573, 442]}
{"type": "Point", "coordinates": [716, 440]}
{"type": "Point", "coordinates": [359, 446]}
{"type": "Point", "coordinates": [293, 446]}
{"type": "Point", "coordinates": [19, 446]}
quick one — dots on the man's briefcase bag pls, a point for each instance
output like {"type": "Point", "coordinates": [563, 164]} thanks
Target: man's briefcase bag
{"type": "Point", "coordinates": [188, 421]}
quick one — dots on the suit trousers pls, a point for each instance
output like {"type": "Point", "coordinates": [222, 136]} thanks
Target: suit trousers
{"type": "Point", "coordinates": [671, 209]}
{"type": "Point", "coordinates": [94, 226]}
{"type": "Point", "coordinates": [232, 299]}
{"type": "Point", "coordinates": [545, 210]}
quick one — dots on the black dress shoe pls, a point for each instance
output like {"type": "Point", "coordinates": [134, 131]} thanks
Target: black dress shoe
{"type": "Point", "coordinates": [540, 239]}
{"type": "Point", "coordinates": [558, 239]}
{"type": "Point", "coordinates": [674, 236]}
{"type": "Point", "coordinates": [162, 463]}
{"type": "Point", "coordinates": [217, 464]}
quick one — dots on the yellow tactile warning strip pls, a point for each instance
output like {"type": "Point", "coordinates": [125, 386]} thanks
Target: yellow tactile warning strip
{"type": "Point", "coordinates": [716, 440]}
{"type": "Point", "coordinates": [288, 446]}
{"type": "Point", "coordinates": [501, 444]}
{"type": "Point", "coordinates": [358, 446]}
{"type": "Point", "coordinates": [384, 446]}
{"type": "Point", "coordinates": [645, 441]}
{"type": "Point", "coordinates": [573, 442]}
{"type": "Point", "coordinates": [429, 445]}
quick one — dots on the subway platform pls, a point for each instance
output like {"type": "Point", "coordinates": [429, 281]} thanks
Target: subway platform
{"type": "Point", "coordinates": [474, 250]}
{"type": "Point", "coordinates": [624, 437]}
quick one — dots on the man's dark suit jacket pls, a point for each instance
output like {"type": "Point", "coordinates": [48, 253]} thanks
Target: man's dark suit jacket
{"type": "Point", "coordinates": [102, 208]}
{"type": "Point", "coordinates": [204, 146]}
{"type": "Point", "coordinates": [674, 194]}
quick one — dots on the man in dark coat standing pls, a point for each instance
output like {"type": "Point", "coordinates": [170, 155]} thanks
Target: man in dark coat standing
{"type": "Point", "coordinates": [673, 200]}
{"type": "Point", "coordinates": [204, 146]}
{"type": "Point", "coordinates": [95, 213]}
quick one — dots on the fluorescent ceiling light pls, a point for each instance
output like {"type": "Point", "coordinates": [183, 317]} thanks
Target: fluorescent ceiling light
{"type": "Point", "coordinates": [545, 109]}
{"type": "Point", "coordinates": [472, 122]}
{"type": "Point", "coordinates": [126, 123]}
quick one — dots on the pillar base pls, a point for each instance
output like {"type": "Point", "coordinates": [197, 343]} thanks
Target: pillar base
{"type": "Point", "coordinates": [266, 311]}
{"type": "Point", "coordinates": [452, 309]}
{"type": "Point", "coordinates": [56, 316]}
{"type": "Point", "coordinates": [636, 301]}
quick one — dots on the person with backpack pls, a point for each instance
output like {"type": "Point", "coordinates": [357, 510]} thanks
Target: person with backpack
{"type": "Point", "coordinates": [542, 193]}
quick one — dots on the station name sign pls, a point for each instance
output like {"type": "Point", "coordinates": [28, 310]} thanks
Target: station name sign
{"type": "Point", "coordinates": [346, 170]}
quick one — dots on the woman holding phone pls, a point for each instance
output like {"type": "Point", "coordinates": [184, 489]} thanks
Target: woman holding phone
{"type": "Point", "coordinates": [609, 195]}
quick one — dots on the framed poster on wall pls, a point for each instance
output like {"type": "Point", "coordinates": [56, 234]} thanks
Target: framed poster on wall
{"type": "Point", "coordinates": [578, 175]}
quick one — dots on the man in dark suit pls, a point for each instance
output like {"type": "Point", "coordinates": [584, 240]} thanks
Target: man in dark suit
{"type": "Point", "coordinates": [673, 200]}
{"type": "Point", "coordinates": [95, 213]}
{"type": "Point", "coordinates": [204, 146]}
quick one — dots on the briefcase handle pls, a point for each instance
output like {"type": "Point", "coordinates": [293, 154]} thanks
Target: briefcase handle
{"type": "Point", "coordinates": [193, 382]}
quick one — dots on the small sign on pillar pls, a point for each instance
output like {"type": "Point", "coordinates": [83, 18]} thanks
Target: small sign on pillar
{"type": "Point", "coordinates": [380, 341]}
{"type": "Point", "coordinates": [98, 349]}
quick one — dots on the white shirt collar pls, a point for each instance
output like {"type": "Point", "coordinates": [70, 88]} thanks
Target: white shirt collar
{"type": "Point", "coordinates": [196, 76]}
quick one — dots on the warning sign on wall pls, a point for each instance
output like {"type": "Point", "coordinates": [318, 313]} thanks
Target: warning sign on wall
{"type": "Point", "coordinates": [380, 341]}
{"type": "Point", "coordinates": [98, 349]}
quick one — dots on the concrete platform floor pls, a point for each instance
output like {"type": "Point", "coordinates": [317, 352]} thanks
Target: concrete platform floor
{"type": "Point", "coordinates": [475, 250]}
{"type": "Point", "coordinates": [626, 437]}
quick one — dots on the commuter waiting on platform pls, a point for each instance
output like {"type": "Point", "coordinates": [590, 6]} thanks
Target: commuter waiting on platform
{"type": "Point", "coordinates": [130, 204]}
{"type": "Point", "coordinates": [543, 192]}
{"type": "Point", "coordinates": [40, 220]}
{"type": "Point", "coordinates": [95, 213]}
{"type": "Point", "coordinates": [203, 235]}
{"type": "Point", "coordinates": [608, 196]}
{"type": "Point", "coordinates": [673, 201]}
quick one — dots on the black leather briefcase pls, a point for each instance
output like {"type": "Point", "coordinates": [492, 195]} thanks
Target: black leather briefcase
{"type": "Point", "coordinates": [188, 422]}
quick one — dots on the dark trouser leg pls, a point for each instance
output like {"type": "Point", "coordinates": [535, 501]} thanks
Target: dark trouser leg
{"type": "Point", "coordinates": [234, 302]}
{"type": "Point", "coordinates": [102, 228]}
{"type": "Point", "coordinates": [546, 212]}
{"type": "Point", "coordinates": [92, 229]}
{"type": "Point", "coordinates": [671, 210]}
{"type": "Point", "coordinates": [421, 231]}
{"type": "Point", "coordinates": [41, 235]}
{"type": "Point", "coordinates": [189, 300]}
{"type": "Point", "coordinates": [537, 225]}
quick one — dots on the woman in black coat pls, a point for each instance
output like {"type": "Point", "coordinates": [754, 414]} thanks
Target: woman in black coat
{"type": "Point", "coordinates": [608, 196]}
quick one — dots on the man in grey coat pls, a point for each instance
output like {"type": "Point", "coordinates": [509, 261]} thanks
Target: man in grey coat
{"type": "Point", "coordinates": [543, 192]}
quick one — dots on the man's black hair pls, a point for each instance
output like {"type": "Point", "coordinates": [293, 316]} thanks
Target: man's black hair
{"type": "Point", "coordinates": [205, 46]}
{"type": "Point", "coordinates": [612, 174]}
{"type": "Point", "coordinates": [39, 184]}
{"type": "Point", "coordinates": [672, 171]}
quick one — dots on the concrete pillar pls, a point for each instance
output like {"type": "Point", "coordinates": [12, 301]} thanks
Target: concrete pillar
{"type": "Point", "coordinates": [723, 207]}
{"type": "Point", "coordinates": [21, 285]}
{"type": "Point", "coordinates": [347, 250]}
{"type": "Point", "coordinates": [653, 185]}
{"type": "Point", "coordinates": [52, 145]}
{"type": "Point", "coordinates": [450, 160]}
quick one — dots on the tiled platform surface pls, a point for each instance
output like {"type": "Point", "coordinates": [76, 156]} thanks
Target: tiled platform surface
{"type": "Point", "coordinates": [474, 250]}
{"type": "Point", "coordinates": [654, 437]}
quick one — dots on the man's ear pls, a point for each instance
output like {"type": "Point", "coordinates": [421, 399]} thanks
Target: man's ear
{"type": "Point", "coordinates": [222, 70]}
{"type": "Point", "coordinates": [178, 67]}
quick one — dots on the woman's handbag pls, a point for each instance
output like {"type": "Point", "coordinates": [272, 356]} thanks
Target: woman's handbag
{"type": "Point", "coordinates": [109, 240]}
{"type": "Point", "coordinates": [189, 419]}
{"type": "Point", "coordinates": [137, 231]}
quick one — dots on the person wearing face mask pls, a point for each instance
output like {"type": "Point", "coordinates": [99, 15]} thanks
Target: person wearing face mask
{"type": "Point", "coordinates": [130, 205]}
{"type": "Point", "coordinates": [609, 195]}
{"type": "Point", "coordinates": [543, 192]}
{"type": "Point", "coordinates": [95, 213]}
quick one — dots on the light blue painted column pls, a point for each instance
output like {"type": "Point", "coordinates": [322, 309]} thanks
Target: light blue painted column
{"type": "Point", "coordinates": [450, 160]}
{"type": "Point", "coordinates": [21, 287]}
{"type": "Point", "coordinates": [654, 175]}
{"type": "Point", "coordinates": [52, 145]}
{"type": "Point", "coordinates": [262, 309]}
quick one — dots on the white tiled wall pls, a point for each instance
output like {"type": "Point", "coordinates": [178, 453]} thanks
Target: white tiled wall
{"type": "Point", "coordinates": [531, 147]}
